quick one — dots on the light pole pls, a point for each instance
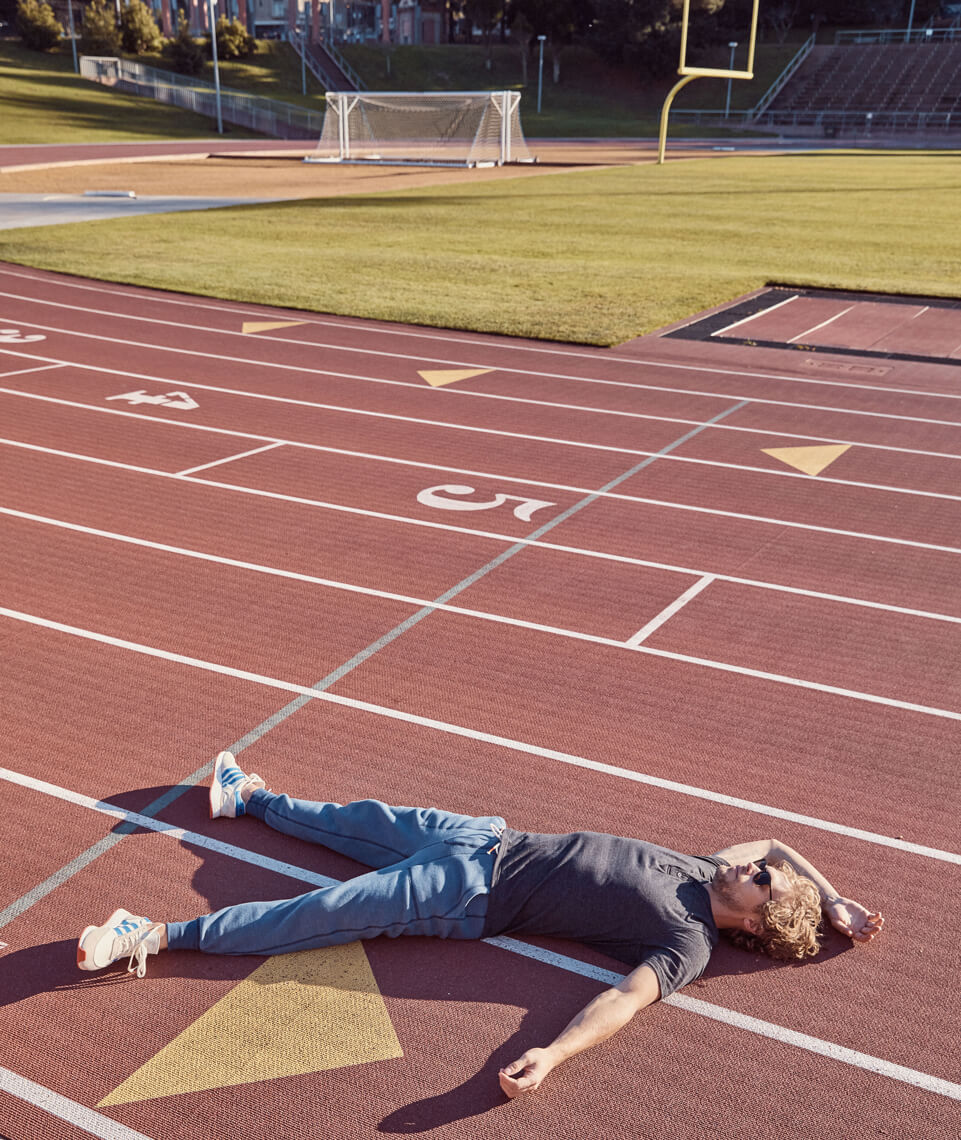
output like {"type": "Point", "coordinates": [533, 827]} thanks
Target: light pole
{"type": "Point", "coordinates": [907, 34]}
{"type": "Point", "coordinates": [727, 106]}
{"type": "Point", "coordinates": [73, 35]}
{"type": "Point", "coordinates": [540, 72]}
{"type": "Point", "coordinates": [213, 45]}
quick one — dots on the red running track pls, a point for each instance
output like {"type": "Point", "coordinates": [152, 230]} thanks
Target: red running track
{"type": "Point", "coordinates": [173, 576]}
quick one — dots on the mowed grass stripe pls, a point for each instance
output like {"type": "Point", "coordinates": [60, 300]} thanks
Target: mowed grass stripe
{"type": "Point", "coordinates": [594, 257]}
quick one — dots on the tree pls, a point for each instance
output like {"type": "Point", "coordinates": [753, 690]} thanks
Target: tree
{"type": "Point", "coordinates": [138, 29]}
{"type": "Point", "coordinates": [183, 52]}
{"type": "Point", "coordinates": [781, 16]}
{"type": "Point", "coordinates": [485, 14]}
{"type": "Point", "coordinates": [37, 25]}
{"type": "Point", "coordinates": [233, 40]}
{"type": "Point", "coordinates": [100, 34]}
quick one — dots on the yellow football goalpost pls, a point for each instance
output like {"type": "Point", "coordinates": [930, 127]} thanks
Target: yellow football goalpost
{"type": "Point", "coordinates": [689, 73]}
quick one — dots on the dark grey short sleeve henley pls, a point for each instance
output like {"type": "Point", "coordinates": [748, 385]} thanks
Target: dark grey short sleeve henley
{"type": "Point", "coordinates": [637, 902]}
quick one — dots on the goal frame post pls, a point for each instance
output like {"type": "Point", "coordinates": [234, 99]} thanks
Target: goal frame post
{"type": "Point", "coordinates": [505, 104]}
{"type": "Point", "coordinates": [688, 73]}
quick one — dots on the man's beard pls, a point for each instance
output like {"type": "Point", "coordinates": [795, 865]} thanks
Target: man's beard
{"type": "Point", "coordinates": [726, 892]}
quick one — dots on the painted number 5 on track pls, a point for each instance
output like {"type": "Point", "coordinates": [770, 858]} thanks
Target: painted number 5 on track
{"type": "Point", "coordinates": [438, 497]}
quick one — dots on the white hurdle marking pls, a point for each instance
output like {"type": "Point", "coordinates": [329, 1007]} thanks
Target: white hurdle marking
{"type": "Point", "coordinates": [228, 459]}
{"type": "Point", "coordinates": [669, 611]}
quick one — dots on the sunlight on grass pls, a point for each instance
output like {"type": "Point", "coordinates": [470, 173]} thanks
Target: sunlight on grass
{"type": "Point", "coordinates": [595, 257]}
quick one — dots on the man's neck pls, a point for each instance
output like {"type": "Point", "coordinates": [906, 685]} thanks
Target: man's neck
{"type": "Point", "coordinates": [724, 917]}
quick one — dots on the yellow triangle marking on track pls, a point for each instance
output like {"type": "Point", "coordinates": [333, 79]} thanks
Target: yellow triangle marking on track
{"type": "Point", "coordinates": [439, 379]}
{"type": "Point", "coordinates": [263, 326]}
{"type": "Point", "coordinates": [810, 460]}
{"type": "Point", "coordinates": [297, 1013]}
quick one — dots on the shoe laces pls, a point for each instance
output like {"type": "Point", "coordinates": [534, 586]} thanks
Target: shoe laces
{"type": "Point", "coordinates": [135, 944]}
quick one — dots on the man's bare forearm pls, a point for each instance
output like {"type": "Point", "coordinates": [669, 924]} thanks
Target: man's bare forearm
{"type": "Point", "coordinates": [600, 1019]}
{"type": "Point", "coordinates": [781, 850]}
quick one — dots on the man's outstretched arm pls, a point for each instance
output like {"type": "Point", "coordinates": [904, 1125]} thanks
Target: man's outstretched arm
{"type": "Point", "coordinates": [844, 914]}
{"type": "Point", "coordinates": [600, 1019]}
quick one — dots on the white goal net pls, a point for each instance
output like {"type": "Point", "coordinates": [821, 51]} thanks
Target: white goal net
{"type": "Point", "coordinates": [456, 128]}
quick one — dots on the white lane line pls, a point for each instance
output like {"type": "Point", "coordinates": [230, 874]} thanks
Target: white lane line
{"type": "Point", "coordinates": [453, 391]}
{"type": "Point", "coordinates": [690, 571]}
{"type": "Point", "coordinates": [519, 745]}
{"type": "Point", "coordinates": [634, 643]}
{"type": "Point", "coordinates": [313, 580]}
{"type": "Point", "coordinates": [665, 503]}
{"type": "Point", "coordinates": [599, 355]}
{"type": "Point", "coordinates": [754, 316]}
{"type": "Point", "coordinates": [823, 324]}
{"type": "Point", "coordinates": [737, 1020]}
{"type": "Point", "coordinates": [546, 957]}
{"type": "Point", "coordinates": [78, 1115]}
{"type": "Point", "coordinates": [227, 459]}
{"type": "Point", "coordinates": [668, 612]}
{"type": "Point", "coordinates": [142, 376]}
{"type": "Point", "coordinates": [669, 457]}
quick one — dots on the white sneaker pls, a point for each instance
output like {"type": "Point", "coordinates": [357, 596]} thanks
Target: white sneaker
{"type": "Point", "coordinates": [226, 786]}
{"type": "Point", "coordinates": [123, 934]}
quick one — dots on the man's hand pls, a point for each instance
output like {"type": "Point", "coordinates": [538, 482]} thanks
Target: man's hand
{"type": "Point", "coordinates": [854, 920]}
{"type": "Point", "coordinates": [526, 1074]}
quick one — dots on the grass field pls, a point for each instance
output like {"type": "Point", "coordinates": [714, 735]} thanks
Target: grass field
{"type": "Point", "coordinates": [595, 257]}
{"type": "Point", "coordinates": [43, 101]}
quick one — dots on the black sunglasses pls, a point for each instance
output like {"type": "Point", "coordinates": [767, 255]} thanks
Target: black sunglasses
{"type": "Point", "coordinates": [763, 877]}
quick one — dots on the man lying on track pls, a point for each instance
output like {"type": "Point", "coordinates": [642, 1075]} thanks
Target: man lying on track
{"type": "Point", "coordinates": [456, 876]}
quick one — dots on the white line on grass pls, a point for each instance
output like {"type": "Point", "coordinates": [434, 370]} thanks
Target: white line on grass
{"type": "Point", "coordinates": [582, 552]}
{"type": "Point", "coordinates": [456, 391]}
{"type": "Point", "coordinates": [718, 1013]}
{"type": "Point", "coordinates": [664, 503]}
{"type": "Point", "coordinates": [522, 746]}
{"type": "Point", "coordinates": [491, 343]}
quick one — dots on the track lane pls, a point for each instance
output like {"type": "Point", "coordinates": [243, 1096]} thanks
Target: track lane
{"type": "Point", "coordinates": [905, 658]}
{"type": "Point", "coordinates": [762, 988]}
{"type": "Point", "coordinates": [561, 363]}
{"type": "Point", "coordinates": [894, 763]}
{"type": "Point", "coordinates": [918, 1036]}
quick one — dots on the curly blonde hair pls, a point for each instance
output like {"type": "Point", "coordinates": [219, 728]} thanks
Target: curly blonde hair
{"type": "Point", "coordinates": [790, 924]}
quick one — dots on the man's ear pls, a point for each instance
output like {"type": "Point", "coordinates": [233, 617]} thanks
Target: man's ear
{"type": "Point", "coordinates": [752, 926]}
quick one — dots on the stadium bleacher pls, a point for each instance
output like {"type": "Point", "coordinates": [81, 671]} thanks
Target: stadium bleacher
{"type": "Point", "coordinates": [892, 86]}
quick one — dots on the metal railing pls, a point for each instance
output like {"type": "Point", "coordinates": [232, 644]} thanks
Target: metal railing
{"type": "Point", "coordinates": [765, 101]}
{"type": "Point", "coordinates": [832, 124]}
{"type": "Point", "coordinates": [266, 116]}
{"type": "Point", "coordinates": [898, 36]}
{"type": "Point", "coordinates": [307, 59]}
{"type": "Point", "coordinates": [338, 58]}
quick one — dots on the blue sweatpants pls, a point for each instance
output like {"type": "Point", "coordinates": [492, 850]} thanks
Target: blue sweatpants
{"type": "Point", "coordinates": [432, 877]}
